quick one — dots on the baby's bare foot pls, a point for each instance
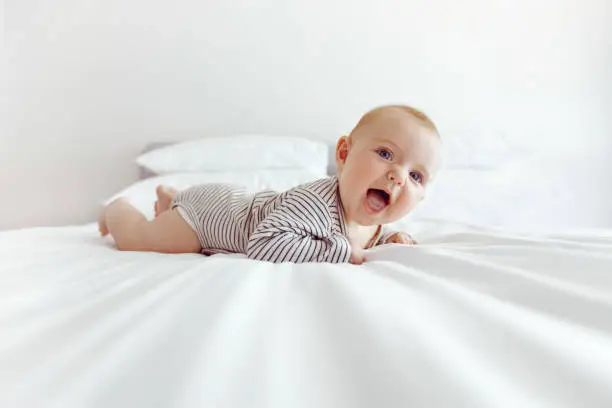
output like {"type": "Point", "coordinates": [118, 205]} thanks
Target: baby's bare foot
{"type": "Point", "coordinates": [165, 195]}
{"type": "Point", "coordinates": [102, 222]}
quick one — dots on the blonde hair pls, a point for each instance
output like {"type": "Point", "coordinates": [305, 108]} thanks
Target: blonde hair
{"type": "Point", "coordinates": [417, 114]}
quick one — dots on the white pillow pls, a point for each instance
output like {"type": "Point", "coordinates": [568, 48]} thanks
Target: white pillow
{"type": "Point", "coordinates": [142, 193]}
{"type": "Point", "coordinates": [237, 153]}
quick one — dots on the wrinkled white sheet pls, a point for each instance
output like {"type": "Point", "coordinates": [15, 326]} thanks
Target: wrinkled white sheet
{"type": "Point", "coordinates": [470, 318]}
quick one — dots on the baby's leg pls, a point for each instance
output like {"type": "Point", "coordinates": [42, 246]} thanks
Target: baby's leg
{"type": "Point", "coordinates": [165, 195]}
{"type": "Point", "coordinates": [167, 233]}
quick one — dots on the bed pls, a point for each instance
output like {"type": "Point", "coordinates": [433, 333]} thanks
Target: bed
{"type": "Point", "coordinates": [471, 317]}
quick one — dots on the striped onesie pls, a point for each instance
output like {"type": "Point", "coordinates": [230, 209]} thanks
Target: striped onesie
{"type": "Point", "coordinates": [303, 224]}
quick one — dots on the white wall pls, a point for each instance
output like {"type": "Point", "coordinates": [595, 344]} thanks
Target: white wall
{"type": "Point", "coordinates": [90, 82]}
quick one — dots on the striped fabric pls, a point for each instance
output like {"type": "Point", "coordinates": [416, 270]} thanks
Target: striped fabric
{"type": "Point", "coordinates": [304, 224]}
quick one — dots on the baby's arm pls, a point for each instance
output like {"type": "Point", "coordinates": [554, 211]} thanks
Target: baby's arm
{"type": "Point", "coordinates": [298, 230]}
{"type": "Point", "coordinates": [167, 233]}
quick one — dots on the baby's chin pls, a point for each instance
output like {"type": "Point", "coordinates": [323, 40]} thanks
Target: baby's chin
{"type": "Point", "coordinates": [366, 220]}
{"type": "Point", "coordinates": [390, 218]}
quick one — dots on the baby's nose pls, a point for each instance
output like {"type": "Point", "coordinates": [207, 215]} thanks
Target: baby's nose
{"type": "Point", "coordinates": [396, 178]}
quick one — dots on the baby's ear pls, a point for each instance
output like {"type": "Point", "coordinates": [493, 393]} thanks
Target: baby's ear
{"type": "Point", "coordinates": [342, 150]}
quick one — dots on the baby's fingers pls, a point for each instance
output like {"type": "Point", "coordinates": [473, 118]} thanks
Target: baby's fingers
{"type": "Point", "coordinates": [401, 238]}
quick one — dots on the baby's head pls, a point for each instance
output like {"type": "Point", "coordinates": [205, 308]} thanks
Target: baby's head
{"type": "Point", "coordinates": [386, 164]}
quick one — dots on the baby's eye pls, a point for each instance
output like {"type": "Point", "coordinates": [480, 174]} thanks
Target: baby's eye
{"type": "Point", "coordinates": [416, 176]}
{"type": "Point", "coordinates": [385, 154]}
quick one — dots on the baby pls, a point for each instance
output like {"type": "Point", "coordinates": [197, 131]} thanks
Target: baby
{"type": "Point", "coordinates": [384, 168]}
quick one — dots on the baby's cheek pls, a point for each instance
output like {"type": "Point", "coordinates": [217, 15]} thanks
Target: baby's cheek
{"type": "Point", "coordinates": [416, 195]}
{"type": "Point", "coordinates": [405, 204]}
{"type": "Point", "coordinates": [411, 196]}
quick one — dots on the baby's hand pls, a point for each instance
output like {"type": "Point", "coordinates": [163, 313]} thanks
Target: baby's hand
{"type": "Point", "coordinates": [400, 238]}
{"type": "Point", "coordinates": [357, 257]}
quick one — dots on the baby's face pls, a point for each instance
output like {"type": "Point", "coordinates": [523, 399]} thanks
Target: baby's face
{"type": "Point", "coordinates": [384, 168]}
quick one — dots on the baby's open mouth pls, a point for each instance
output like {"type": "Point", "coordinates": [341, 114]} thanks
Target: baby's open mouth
{"type": "Point", "coordinates": [377, 200]}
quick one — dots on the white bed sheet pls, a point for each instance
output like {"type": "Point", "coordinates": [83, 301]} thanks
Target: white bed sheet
{"type": "Point", "coordinates": [470, 318]}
